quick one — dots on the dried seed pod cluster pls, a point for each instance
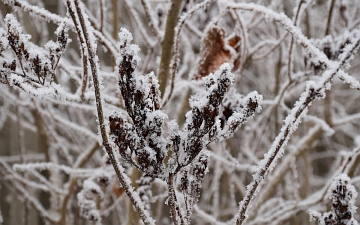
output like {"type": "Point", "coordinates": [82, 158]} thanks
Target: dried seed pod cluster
{"type": "Point", "coordinates": [142, 141]}
{"type": "Point", "coordinates": [332, 47]}
{"type": "Point", "coordinates": [343, 195]}
{"type": "Point", "coordinates": [87, 200]}
{"type": "Point", "coordinates": [28, 56]}
{"type": "Point", "coordinates": [142, 100]}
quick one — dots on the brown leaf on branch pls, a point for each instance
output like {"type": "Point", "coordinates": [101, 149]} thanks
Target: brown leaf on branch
{"type": "Point", "coordinates": [216, 50]}
{"type": "Point", "coordinates": [118, 191]}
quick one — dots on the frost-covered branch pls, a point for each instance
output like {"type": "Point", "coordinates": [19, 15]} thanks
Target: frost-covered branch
{"type": "Point", "coordinates": [151, 20]}
{"type": "Point", "coordinates": [7, 171]}
{"type": "Point", "coordinates": [318, 56]}
{"type": "Point", "coordinates": [313, 91]}
{"type": "Point", "coordinates": [48, 16]}
{"type": "Point", "coordinates": [93, 60]}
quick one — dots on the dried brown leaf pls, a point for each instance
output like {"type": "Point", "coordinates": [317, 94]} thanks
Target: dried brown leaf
{"type": "Point", "coordinates": [215, 51]}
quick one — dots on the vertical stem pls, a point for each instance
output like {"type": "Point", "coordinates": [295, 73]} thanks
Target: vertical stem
{"type": "Point", "coordinates": [22, 160]}
{"type": "Point", "coordinates": [82, 48]}
{"type": "Point", "coordinates": [277, 89]}
{"type": "Point", "coordinates": [115, 19]}
{"type": "Point", "coordinates": [328, 24]}
{"type": "Point", "coordinates": [167, 44]}
{"type": "Point", "coordinates": [184, 108]}
{"type": "Point", "coordinates": [327, 108]}
{"type": "Point", "coordinates": [327, 101]}
{"type": "Point", "coordinates": [173, 203]}
{"type": "Point", "coordinates": [101, 2]}
{"type": "Point", "coordinates": [307, 25]}
{"type": "Point", "coordinates": [42, 134]}
{"type": "Point", "coordinates": [243, 56]}
{"type": "Point", "coordinates": [115, 25]}
{"type": "Point", "coordinates": [133, 217]}
{"type": "Point", "coordinates": [20, 136]}
{"type": "Point", "coordinates": [175, 56]}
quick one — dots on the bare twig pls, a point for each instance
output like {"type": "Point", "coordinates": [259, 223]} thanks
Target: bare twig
{"type": "Point", "coordinates": [289, 63]}
{"type": "Point", "coordinates": [148, 12]}
{"type": "Point", "coordinates": [244, 43]}
{"type": "Point", "coordinates": [143, 32]}
{"type": "Point", "coordinates": [84, 55]}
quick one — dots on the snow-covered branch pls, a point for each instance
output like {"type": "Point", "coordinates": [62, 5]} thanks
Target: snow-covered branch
{"type": "Point", "coordinates": [182, 115]}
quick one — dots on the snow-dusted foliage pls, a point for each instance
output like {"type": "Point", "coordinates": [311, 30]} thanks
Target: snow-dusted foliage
{"type": "Point", "coordinates": [87, 199]}
{"type": "Point", "coordinates": [343, 195]}
{"type": "Point", "coordinates": [179, 112]}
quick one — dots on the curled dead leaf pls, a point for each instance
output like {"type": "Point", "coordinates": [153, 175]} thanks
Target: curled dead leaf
{"type": "Point", "coordinates": [216, 50]}
{"type": "Point", "coordinates": [118, 191]}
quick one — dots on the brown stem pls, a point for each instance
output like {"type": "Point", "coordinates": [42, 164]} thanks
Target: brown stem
{"type": "Point", "coordinates": [328, 24]}
{"type": "Point", "coordinates": [167, 44]}
{"type": "Point", "coordinates": [115, 19]}
{"type": "Point", "coordinates": [175, 211]}
{"type": "Point", "coordinates": [101, 2]}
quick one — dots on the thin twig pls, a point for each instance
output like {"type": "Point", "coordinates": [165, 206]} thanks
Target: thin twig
{"type": "Point", "coordinates": [140, 26]}
{"type": "Point", "coordinates": [243, 55]}
{"type": "Point", "coordinates": [154, 29]}
{"type": "Point", "coordinates": [175, 210]}
{"type": "Point", "coordinates": [259, 46]}
{"type": "Point", "coordinates": [82, 48]}
{"type": "Point", "coordinates": [115, 19]}
{"type": "Point", "coordinates": [7, 173]}
{"type": "Point", "coordinates": [289, 63]}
